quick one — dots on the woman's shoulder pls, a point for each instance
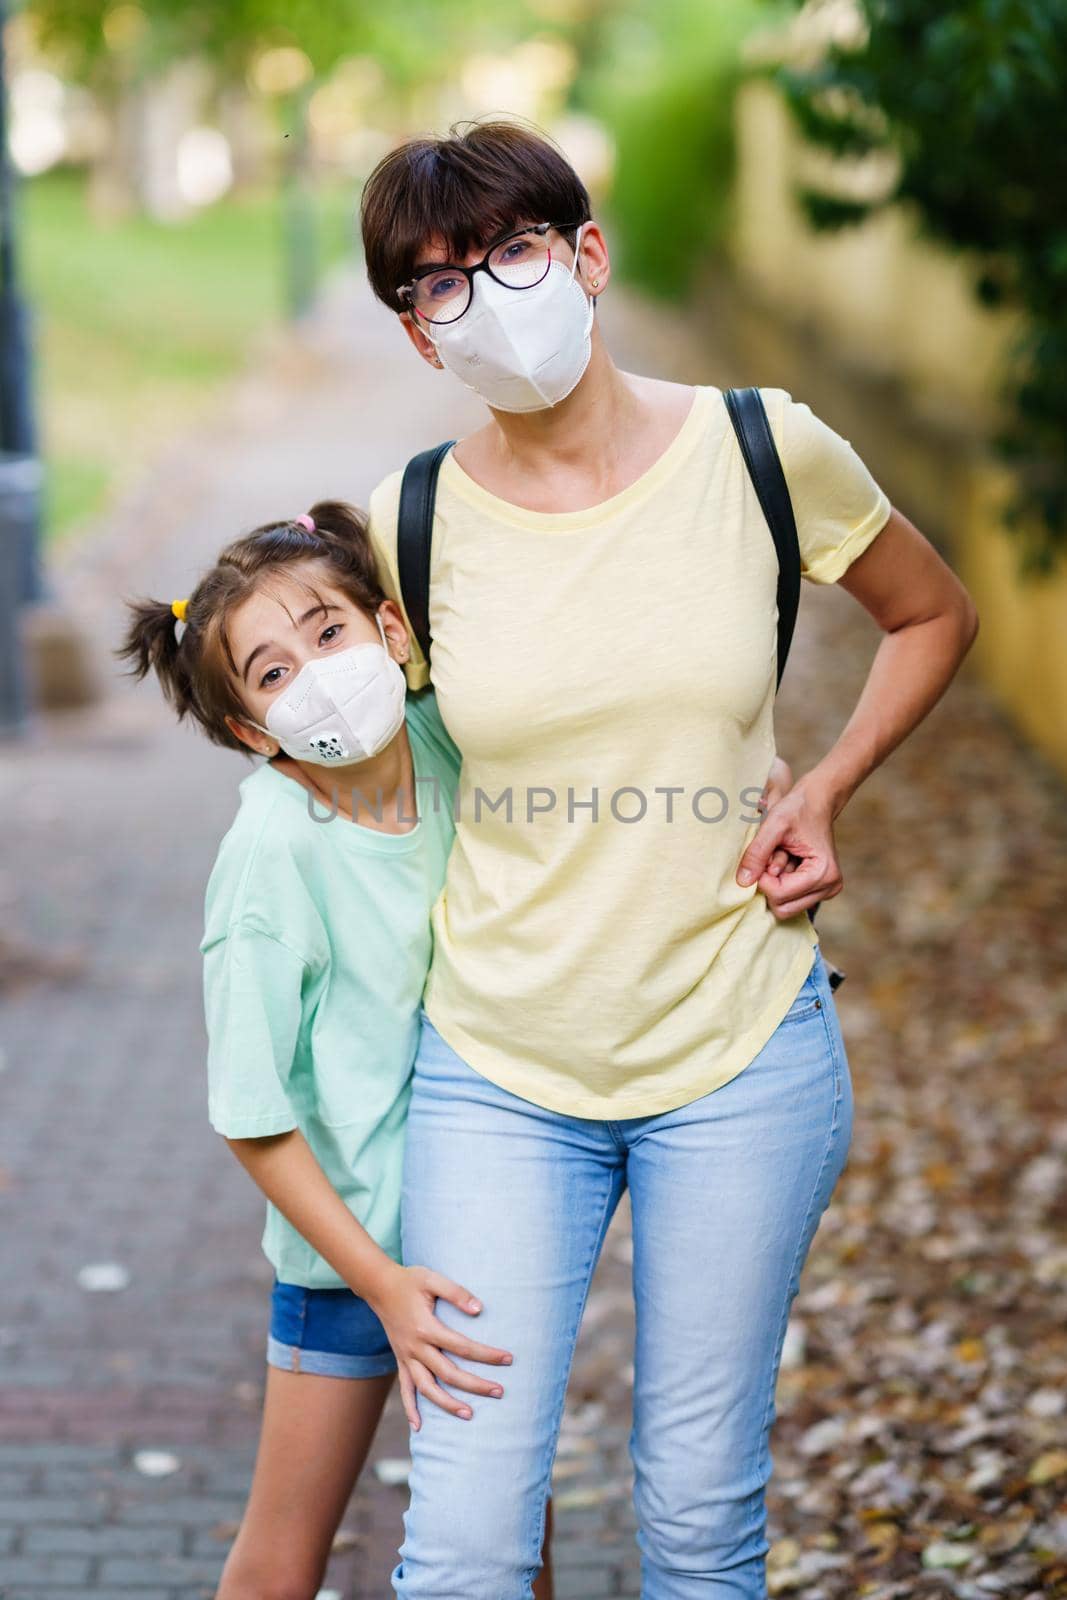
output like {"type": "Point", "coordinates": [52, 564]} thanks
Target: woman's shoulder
{"type": "Point", "coordinates": [797, 429]}
{"type": "Point", "coordinates": [385, 499]}
{"type": "Point", "coordinates": [838, 503]}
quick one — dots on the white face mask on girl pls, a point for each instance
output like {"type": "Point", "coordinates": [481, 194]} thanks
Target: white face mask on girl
{"type": "Point", "coordinates": [521, 349]}
{"type": "Point", "coordinates": [340, 708]}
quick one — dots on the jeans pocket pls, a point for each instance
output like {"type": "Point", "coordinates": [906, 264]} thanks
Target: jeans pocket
{"type": "Point", "coordinates": [808, 999]}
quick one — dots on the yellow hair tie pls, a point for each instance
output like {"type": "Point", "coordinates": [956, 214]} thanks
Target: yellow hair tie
{"type": "Point", "coordinates": [179, 608]}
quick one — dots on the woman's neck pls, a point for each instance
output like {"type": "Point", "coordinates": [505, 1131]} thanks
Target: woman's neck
{"type": "Point", "coordinates": [590, 446]}
{"type": "Point", "coordinates": [588, 420]}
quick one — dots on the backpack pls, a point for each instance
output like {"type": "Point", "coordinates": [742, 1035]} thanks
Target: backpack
{"type": "Point", "coordinates": [418, 491]}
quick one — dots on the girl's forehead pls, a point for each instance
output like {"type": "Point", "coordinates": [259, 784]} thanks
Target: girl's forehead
{"type": "Point", "coordinates": [293, 589]}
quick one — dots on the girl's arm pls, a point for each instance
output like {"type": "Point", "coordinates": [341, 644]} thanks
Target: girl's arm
{"type": "Point", "coordinates": [284, 1167]}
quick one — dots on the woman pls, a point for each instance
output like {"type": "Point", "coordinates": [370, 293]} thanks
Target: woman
{"type": "Point", "coordinates": [625, 992]}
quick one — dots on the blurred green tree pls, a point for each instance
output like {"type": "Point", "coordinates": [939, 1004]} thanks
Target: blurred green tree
{"type": "Point", "coordinates": [87, 34]}
{"type": "Point", "coordinates": [971, 97]}
{"type": "Point", "coordinates": [280, 48]}
{"type": "Point", "coordinates": [662, 80]}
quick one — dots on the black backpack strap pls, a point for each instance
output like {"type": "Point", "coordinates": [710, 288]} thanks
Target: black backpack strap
{"type": "Point", "coordinates": [414, 537]}
{"type": "Point", "coordinates": [749, 417]}
{"type": "Point", "coordinates": [754, 435]}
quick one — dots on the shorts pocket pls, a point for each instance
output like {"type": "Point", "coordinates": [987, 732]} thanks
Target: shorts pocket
{"type": "Point", "coordinates": [288, 1313]}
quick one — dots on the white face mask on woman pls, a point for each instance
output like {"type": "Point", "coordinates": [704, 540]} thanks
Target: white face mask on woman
{"type": "Point", "coordinates": [521, 349]}
{"type": "Point", "coordinates": [340, 708]}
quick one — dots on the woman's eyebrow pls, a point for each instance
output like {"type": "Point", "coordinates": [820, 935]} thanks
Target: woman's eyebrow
{"type": "Point", "coordinates": [269, 644]}
{"type": "Point", "coordinates": [497, 238]}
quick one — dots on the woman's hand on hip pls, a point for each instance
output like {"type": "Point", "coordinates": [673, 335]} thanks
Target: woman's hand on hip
{"type": "Point", "coordinates": [406, 1304]}
{"type": "Point", "coordinates": [779, 782]}
{"type": "Point", "coordinates": [793, 858]}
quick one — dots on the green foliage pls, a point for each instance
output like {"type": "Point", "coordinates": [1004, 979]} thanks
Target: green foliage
{"type": "Point", "coordinates": [229, 33]}
{"type": "Point", "coordinates": [423, 42]}
{"type": "Point", "coordinates": [156, 313]}
{"type": "Point", "coordinates": [971, 96]}
{"type": "Point", "coordinates": [662, 81]}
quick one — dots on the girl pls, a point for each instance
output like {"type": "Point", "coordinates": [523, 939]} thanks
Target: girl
{"type": "Point", "coordinates": [316, 948]}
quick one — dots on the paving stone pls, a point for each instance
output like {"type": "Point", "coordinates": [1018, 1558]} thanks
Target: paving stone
{"type": "Point", "coordinates": [105, 1538]}
{"type": "Point", "coordinates": [69, 1570]}
{"type": "Point", "coordinates": [182, 1573]}
{"type": "Point", "coordinates": [62, 1592]}
{"type": "Point", "coordinates": [191, 1511]}
{"type": "Point", "coordinates": [52, 1453]}
{"type": "Point", "coordinates": [61, 1510]}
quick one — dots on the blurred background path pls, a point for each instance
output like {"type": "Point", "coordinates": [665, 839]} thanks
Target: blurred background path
{"type": "Point", "coordinates": [128, 1414]}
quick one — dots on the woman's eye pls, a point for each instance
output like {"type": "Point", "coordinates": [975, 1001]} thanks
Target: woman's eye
{"type": "Point", "coordinates": [329, 634]}
{"type": "Point", "coordinates": [269, 679]}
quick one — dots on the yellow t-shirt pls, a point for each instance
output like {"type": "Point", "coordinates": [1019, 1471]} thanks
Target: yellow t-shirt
{"type": "Point", "coordinates": [604, 962]}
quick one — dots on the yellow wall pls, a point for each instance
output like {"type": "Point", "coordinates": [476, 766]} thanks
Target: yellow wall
{"type": "Point", "coordinates": [910, 350]}
{"type": "Point", "coordinates": [890, 301]}
{"type": "Point", "coordinates": [1021, 649]}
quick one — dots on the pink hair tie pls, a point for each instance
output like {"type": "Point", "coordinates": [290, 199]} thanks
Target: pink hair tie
{"type": "Point", "coordinates": [305, 522]}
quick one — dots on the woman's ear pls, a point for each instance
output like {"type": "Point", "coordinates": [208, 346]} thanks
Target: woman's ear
{"type": "Point", "coordinates": [422, 342]}
{"type": "Point", "coordinates": [395, 630]}
{"type": "Point", "coordinates": [594, 263]}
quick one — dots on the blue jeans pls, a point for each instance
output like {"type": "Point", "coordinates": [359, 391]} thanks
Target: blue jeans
{"type": "Point", "coordinates": [513, 1201]}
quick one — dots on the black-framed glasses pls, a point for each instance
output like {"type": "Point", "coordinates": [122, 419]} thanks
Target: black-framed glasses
{"type": "Point", "coordinates": [444, 293]}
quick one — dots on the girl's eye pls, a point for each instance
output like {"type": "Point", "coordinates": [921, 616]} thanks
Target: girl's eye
{"type": "Point", "coordinates": [328, 634]}
{"type": "Point", "coordinates": [269, 679]}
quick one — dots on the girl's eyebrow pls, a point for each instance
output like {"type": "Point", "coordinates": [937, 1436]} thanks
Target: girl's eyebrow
{"type": "Point", "coordinates": [269, 644]}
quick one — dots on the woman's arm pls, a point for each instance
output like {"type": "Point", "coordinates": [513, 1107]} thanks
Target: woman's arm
{"type": "Point", "coordinates": [285, 1168]}
{"type": "Point", "coordinates": [930, 622]}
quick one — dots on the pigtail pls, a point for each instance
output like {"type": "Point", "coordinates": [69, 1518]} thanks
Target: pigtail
{"type": "Point", "coordinates": [151, 644]}
{"type": "Point", "coordinates": [347, 528]}
{"type": "Point", "coordinates": [341, 521]}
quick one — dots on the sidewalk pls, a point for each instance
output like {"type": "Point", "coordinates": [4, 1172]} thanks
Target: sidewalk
{"type": "Point", "coordinates": [927, 1350]}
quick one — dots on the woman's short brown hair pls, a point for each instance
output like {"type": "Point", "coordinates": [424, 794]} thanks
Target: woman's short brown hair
{"type": "Point", "coordinates": [468, 189]}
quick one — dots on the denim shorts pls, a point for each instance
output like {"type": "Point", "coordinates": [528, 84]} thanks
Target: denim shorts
{"type": "Point", "coordinates": [331, 1332]}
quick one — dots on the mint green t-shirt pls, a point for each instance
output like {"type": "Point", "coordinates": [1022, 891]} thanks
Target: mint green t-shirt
{"type": "Point", "coordinates": [316, 947]}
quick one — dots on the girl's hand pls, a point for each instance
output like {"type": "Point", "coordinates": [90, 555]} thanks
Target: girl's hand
{"type": "Point", "coordinates": [779, 782]}
{"type": "Point", "coordinates": [406, 1305]}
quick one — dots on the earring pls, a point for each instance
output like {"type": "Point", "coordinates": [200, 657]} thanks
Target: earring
{"type": "Point", "coordinates": [596, 283]}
